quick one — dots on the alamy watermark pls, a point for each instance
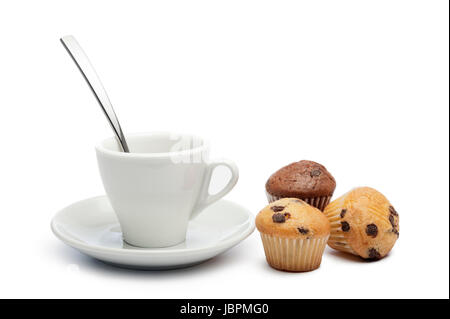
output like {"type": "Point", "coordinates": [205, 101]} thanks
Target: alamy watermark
{"type": "Point", "coordinates": [188, 149]}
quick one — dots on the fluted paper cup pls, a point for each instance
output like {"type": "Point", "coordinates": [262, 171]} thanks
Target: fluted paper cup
{"type": "Point", "coordinates": [294, 254]}
{"type": "Point", "coordinates": [318, 202]}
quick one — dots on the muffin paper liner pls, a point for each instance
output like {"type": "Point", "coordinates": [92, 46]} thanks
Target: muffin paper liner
{"type": "Point", "coordinates": [318, 202]}
{"type": "Point", "coordinates": [294, 254]}
{"type": "Point", "coordinates": [337, 238]}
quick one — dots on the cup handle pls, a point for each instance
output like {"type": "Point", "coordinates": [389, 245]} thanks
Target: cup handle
{"type": "Point", "coordinates": [207, 199]}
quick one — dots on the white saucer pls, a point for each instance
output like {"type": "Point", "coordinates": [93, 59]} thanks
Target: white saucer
{"type": "Point", "coordinates": [92, 227]}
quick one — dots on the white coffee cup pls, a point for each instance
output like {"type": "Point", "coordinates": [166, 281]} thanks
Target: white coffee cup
{"type": "Point", "coordinates": [160, 185]}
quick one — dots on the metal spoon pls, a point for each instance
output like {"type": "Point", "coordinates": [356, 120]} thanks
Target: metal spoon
{"type": "Point", "coordinates": [92, 79]}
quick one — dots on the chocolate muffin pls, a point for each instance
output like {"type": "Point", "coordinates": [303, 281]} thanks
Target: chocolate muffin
{"type": "Point", "coordinates": [305, 180]}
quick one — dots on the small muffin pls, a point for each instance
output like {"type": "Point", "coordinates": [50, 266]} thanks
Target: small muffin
{"type": "Point", "coordinates": [364, 223]}
{"type": "Point", "coordinates": [305, 180]}
{"type": "Point", "coordinates": [294, 234]}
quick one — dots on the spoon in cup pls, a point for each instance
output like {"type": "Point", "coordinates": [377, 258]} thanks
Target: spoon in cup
{"type": "Point", "coordinates": [87, 70]}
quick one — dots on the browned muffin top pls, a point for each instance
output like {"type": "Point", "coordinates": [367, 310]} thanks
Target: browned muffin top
{"type": "Point", "coordinates": [292, 218]}
{"type": "Point", "coordinates": [301, 179]}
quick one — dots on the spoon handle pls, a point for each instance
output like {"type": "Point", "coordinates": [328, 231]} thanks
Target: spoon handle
{"type": "Point", "coordinates": [87, 70]}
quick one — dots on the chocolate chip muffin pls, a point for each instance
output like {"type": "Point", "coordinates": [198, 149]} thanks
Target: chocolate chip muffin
{"type": "Point", "coordinates": [306, 180]}
{"type": "Point", "coordinates": [294, 234]}
{"type": "Point", "coordinates": [364, 223]}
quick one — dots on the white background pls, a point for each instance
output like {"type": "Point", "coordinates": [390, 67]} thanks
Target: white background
{"type": "Point", "coordinates": [360, 86]}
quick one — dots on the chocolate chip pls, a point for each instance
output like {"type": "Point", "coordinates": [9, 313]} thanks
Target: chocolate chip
{"type": "Point", "coordinates": [303, 230]}
{"type": "Point", "coordinates": [393, 211]}
{"type": "Point", "coordinates": [392, 220]}
{"type": "Point", "coordinates": [278, 218]}
{"type": "Point", "coordinates": [374, 254]}
{"type": "Point", "coordinates": [394, 225]}
{"type": "Point", "coordinates": [287, 215]}
{"type": "Point", "coordinates": [372, 230]}
{"type": "Point", "coordinates": [316, 172]}
{"type": "Point", "coordinates": [277, 208]}
{"type": "Point", "coordinates": [395, 231]}
{"type": "Point", "coordinates": [343, 212]}
{"type": "Point", "coordinates": [345, 226]}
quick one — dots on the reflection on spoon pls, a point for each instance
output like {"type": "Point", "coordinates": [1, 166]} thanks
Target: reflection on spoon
{"type": "Point", "coordinates": [87, 70]}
